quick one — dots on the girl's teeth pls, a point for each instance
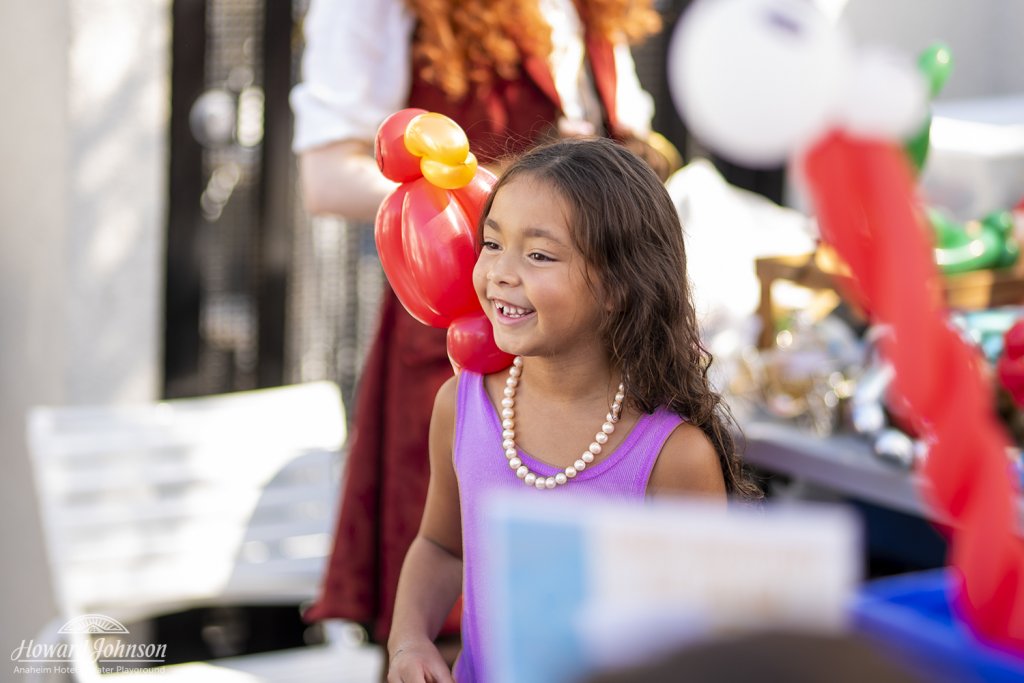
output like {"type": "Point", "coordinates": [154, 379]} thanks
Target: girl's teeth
{"type": "Point", "coordinates": [511, 311]}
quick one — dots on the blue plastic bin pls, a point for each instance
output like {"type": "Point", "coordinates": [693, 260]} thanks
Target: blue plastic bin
{"type": "Point", "coordinates": [909, 617]}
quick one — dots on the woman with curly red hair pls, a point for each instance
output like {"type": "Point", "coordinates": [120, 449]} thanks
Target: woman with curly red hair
{"type": "Point", "coordinates": [511, 73]}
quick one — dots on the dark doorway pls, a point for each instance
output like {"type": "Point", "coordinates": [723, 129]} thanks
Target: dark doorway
{"type": "Point", "coordinates": [231, 204]}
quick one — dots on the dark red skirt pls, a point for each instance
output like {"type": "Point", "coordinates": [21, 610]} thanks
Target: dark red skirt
{"type": "Point", "coordinates": [387, 471]}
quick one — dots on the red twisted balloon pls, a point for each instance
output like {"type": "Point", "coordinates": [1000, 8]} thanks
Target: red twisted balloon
{"type": "Point", "coordinates": [1010, 367]}
{"type": "Point", "coordinates": [874, 224]}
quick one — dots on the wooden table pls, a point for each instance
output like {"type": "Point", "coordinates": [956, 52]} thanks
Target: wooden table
{"type": "Point", "coordinates": [966, 291]}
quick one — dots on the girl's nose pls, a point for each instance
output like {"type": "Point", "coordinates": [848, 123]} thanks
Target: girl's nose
{"type": "Point", "coordinates": [502, 271]}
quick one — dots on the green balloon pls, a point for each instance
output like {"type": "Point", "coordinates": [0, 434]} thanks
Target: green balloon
{"type": "Point", "coordinates": [948, 233]}
{"type": "Point", "coordinates": [917, 146]}
{"type": "Point", "coordinates": [935, 63]}
{"type": "Point", "coordinates": [1001, 222]}
{"type": "Point", "coordinates": [1009, 254]}
{"type": "Point", "coordinates": [989, 244]}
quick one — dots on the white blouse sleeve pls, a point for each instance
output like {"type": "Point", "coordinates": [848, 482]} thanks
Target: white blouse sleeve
{"type": "Point", "coordinates": [634, 105]}
{"type": "Point", "coordinates": [355, 70]}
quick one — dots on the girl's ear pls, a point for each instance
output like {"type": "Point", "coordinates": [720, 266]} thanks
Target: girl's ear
{"type": "Point", "coordinates": [608, 297]}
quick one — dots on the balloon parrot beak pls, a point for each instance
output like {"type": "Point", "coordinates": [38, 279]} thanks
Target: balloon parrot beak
{"type": "Point", "coordinates": [443, 148]}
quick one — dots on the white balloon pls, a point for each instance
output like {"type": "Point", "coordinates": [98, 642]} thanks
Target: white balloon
{"type": "Point", "coordinates": [887, 96]}
{"type": "Point", "coordinates": [756, 80]}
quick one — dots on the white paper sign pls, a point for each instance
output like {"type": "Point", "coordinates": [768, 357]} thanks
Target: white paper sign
{"type": "Point", "coordinates": [577, 586]}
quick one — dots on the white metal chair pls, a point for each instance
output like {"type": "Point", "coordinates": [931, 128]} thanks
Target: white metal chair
{"type": "Point", "coordinates": [220, 500]}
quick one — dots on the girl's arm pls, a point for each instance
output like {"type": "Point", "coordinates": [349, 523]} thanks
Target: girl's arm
{"type": "Point", "coordinates": [688, 465]}
{"type": "Point", "coordinates": [431, 577]}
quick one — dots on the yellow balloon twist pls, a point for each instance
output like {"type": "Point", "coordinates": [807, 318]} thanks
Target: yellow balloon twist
{"type": "Point", "coordinates": [443, 148]}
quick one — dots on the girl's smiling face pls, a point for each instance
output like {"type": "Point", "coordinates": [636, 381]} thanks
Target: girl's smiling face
{"type": "Point", "coordinates": [531, 279]}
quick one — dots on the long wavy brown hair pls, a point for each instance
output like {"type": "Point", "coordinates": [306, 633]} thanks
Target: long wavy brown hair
{"type": "Point", "coordinates": [463, 42]}
{"type": "Point", "coordinates": [627, 229]}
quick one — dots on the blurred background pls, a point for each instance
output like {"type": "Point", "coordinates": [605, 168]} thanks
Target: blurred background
{"type": "Point", "coordinates": [152, 244]}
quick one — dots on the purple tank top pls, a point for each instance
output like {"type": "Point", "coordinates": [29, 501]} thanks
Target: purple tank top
{"type": "Point", "coordinates": [481, 468]}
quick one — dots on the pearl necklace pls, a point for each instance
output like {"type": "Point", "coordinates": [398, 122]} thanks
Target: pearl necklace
{"type": "Point", "coordinates": [508, 435]}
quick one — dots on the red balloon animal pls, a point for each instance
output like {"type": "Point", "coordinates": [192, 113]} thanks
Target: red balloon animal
{"type": "Point", "coordinates": [426, 231]}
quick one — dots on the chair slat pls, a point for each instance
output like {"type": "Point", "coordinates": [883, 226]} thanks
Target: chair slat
{"type": "Point", "coordinates": [206, 503]}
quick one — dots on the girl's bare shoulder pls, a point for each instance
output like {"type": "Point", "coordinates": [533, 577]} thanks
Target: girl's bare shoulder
{"type": "Point", "coordinates": [447, 393]}
{"type": "Point", "coordinates": [688, 464]}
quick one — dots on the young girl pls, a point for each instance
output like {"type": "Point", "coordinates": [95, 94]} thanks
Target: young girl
{"type": "Point", "coordinates": [509, 72]}
{"type": "Point", "coordinates": [582, 272]}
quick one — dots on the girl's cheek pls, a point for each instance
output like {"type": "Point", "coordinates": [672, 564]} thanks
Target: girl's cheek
{"type": "Point", "coordinates": [480, 275]}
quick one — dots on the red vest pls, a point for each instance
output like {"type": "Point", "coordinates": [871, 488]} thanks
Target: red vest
{"type": "Point", "coordinates": [510, 116]}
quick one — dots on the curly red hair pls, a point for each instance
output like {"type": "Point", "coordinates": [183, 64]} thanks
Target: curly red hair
{"type": "Point", "coordinates": [459, 42]}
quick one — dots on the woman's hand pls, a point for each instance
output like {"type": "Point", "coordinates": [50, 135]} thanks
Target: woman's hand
{"type": "Point", "coordinates": [418, 663]}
